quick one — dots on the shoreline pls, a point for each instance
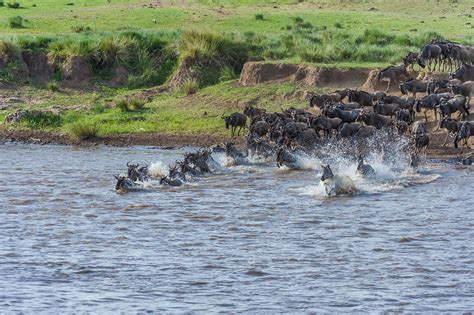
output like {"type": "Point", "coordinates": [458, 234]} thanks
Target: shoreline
{"type": "Point", "coordinates": [170, 141]}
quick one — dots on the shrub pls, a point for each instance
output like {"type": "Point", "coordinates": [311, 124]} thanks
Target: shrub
{"type": "Point", "coordinates": [53, 87]}
{"type": "Point", "coordinates": [80, 28]}
{"type": "Point", "coordinates": [13, 5]}
{"type": "Point", "coordinates": [84, 131]}
{"type": "Point", "coordinates": [38, 120]}
{"type": "Point", "coordinates": [2, 3]}
{"type": "Point", "coordinates": [338, 25]}
{"type": "Point", "coordinates": [122, 105]}
{"type": "Point", "coordinates": [15, 22]}
{"type": "Point", "coordinates": [190, 86]}
{"type": "Point", "coordinates": [132, 105]}
{"type": "Point", "coordinates": [259, 17]}
{"type": "Point", "coordinates": [298, 19]}
{"type": "Point", "coordinates": [9, 50]}
{"type": "Point", "coordinates": [136, 104]}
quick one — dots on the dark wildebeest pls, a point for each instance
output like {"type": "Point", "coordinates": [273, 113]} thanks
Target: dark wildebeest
{"type": "Point", "coordinates": [378, 96]}
{"type": "Point", "coordinates": [430, 102]}
{"type": "Point", "coordinates": [392, 73]}
{"type": "Point", "coordinates": [347, 130]}
{"type": "Point", "coordinates": [463, 73]}
{"type": "Point", "coordinates": [260, 128]}
{"type": "Point", "coordinates": [456, 104]}
{"type": "Point", "coordinates": [422, 140]}
{"type": "Point", "coordinates": [253, 112]}
{"type": "Point", "coordinates": [466, 89]}
{"type": "Point", "coordinates": [136, 172]}
{"type": "Point", "coordinates": [344, 115]}
{"type": "Point", "coordinates": [464, 133]}
{"type": "Point", "coordinates": [361, 97]}
{"type": "Point", "coordinates": [413, 86]}
{"type": "Point", "coordinates": [286, 158]}
{"type": "Point", "coordinates": [325, 124]}
{"type": "Point", "coordinates": [124, 184]}
{"type": "Point", "coordinates": [320, 100]}
{"type": "Point", "coordinates": [404, 115]}
{"type": "Point", "coordinates": [374, 119]}
{"type": "Point", "coordinates": [410, 59]}
{"type": "Point", "coordinates": [386, 109]}
{"type": "Point", "coordinates": [235, 120]}
{"type": "Point", "coordinates": [451, 126]}
{"type": "Point", "coordinates": [364, 169]}
{"type": "Point", "coordinates": [430, 53]}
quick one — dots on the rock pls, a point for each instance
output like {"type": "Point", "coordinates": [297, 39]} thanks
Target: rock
{"type": "Point", "coordinates": [77, 71]}
{"type": "Point", "coordinates": [38, 65]}
{"type": "Point", "coordinates": [120, 77]}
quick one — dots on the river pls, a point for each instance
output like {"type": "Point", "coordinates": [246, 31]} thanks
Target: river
{"type": "Point", "coordinates": [251, 238]}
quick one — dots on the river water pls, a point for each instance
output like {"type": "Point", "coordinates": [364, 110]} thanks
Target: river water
{"type": "Point", "coordinates": [251, 238]}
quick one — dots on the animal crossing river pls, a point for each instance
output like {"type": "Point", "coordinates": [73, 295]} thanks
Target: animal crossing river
{"type": "Point", "coordinates": [250, 238]}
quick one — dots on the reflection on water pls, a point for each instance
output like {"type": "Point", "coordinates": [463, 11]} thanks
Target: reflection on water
{"type": "Point", "coordinates": [252, 238]}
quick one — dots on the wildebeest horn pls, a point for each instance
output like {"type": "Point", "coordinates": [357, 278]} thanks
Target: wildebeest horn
{"type": "Point", "coordinates": [128, 164]}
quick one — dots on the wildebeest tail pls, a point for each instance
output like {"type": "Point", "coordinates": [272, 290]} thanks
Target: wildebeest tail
{"type": "Point", "coordinates": [456, 140]}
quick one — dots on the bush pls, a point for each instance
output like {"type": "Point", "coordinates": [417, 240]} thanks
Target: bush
{"type": "Point", "coordinates": [132, 105]}
{"type": "Point", "coordinates": [1, 3]}
{"type": "Point", "coordinates": [16, 22]}
{"type": "Point", "coordinates": [190, 87]}
{"type": "Point", "coordinates": [259, 17]}
{"type": "Point", "coordinates": [13, 5]}
{"type": "Point", "coordinates": [80, 29]}
{"type": "Point", "coordinates": [53, 87]}
{"type": "Point", "coordinates": [39, 120]}
{"type": "Point", "coordinates": [84, 131]}
{"type": "Point", "coordinates": [9, 50]}
{"type": "Point", "coordinates": [136, 104]}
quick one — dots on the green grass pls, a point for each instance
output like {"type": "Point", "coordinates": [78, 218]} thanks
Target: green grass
{"type": "Point", "coordinates": [215, 37]}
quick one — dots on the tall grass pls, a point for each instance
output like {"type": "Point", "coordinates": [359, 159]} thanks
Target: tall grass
{"type": "Point", "coordinates": [84, 131]}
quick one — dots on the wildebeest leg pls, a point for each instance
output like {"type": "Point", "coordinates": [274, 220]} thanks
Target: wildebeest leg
{"type": "Point", "coordinates": [446, 139]}
{"type": "Point", "coordinates": [426, 117]}
{"type": "Point", "coordinates": [436, 114]}
{"type": "Point", "coordinates": [388, 85]}
{"type": "Point", "coordinates": [233, 130]}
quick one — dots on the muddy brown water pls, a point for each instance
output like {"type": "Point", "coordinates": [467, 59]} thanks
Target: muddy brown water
{"type": "Point", "coordinates": [249, 238]}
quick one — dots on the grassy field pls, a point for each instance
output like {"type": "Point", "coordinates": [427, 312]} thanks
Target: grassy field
{"type": "Point", "coordinates": [152, 38]}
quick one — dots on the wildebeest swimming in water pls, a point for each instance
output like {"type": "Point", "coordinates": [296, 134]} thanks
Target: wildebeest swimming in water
{"type": "Point", "coordinates": [335, 185]}
{"type": "Point", "coordinates": [364, 169]}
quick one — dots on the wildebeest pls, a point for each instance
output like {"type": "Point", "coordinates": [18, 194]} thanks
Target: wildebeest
{"type": "Point", "coordinates": [361, 97]}
{"type": "Point", "coordinates": [260, 128]}
{"type": "Point", "coordinates": [364, 169]}
{"type": "Point", "coordinates": [429, 54]}
{"type": "Point", "coordinates": [347, 130]}
{"type": "Point", "coordinates": [320, 100]}
{"type": "Point", "coordinates": [392, 73]}
{"type": "Point", "coordinates": [374, 119]}
{"type": "Point", "coordinates": [325, 124]}
{"type": "Point", "coordinates": [253, 112]}
{"type": "Point", "coordinates": [456, 104]}
{"type": "Point", "coordinates": [451, 126]}
{"type": "Point", "coordinates": [335, 185]}
{"type": "Point", "coordinates": [136, 172]}
{"type": "Point", "coordinates": [464, 73]}
{"type": "Point", "coordinates": [464, 133]}
{"type": "Point", "coordinates": [413, 86]}
{"type": "Point", "coordinates": [410, 59]}
{"type": "Point", "coordinates": [420, 136]}
{"type": "Point", "coordinates": [235, 120]}
{"type": "Point", "coordinates": [386, 109]}
{"type": "Point", "coordinates": [173, 182]}
{"type": "Point", "coordinates": [465, 89]}
{"type": "Point", "coordinates": [125, 184]}
{"type": "Point", "coordinates": [286, 158]}
{"type": "Point", "coordinates": [430, 102]}
{"type": "Point", "coordinates": [344, 115]}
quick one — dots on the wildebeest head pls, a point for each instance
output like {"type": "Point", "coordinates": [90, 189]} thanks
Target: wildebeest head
{"type": "Point", "coordinates": [403, 88]}
{"type": "Point", "coordinates": [327, 173]}
{"type": "Point", "coordinates": [122, 183]}
{"type": "Point", "coordinates": [227, 121]}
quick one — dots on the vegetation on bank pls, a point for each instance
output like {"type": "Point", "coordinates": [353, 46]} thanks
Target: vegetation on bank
{"type": "Point", "coordinates": [156, 46]}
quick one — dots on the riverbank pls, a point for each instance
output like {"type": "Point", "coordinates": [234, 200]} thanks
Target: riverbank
{"type": "Point", "coordinates": [435, 150]}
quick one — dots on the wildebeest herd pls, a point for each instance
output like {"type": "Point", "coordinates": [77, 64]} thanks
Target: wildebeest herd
{"type": "Point", "coordinates": [354, 120]}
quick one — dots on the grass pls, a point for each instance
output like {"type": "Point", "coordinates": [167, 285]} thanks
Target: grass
{"type": "Point", "coordinates": [152, 44]}
{"type": "Point", "coordinates": [16, 22]}
{"type": "Point", "coordinates": [13, 5]}
{"type": "Point", "coordinates": [84, 130]}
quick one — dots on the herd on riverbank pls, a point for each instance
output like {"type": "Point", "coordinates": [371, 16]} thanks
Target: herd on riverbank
{"type": "Point", "coordinates": [352, 122]}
